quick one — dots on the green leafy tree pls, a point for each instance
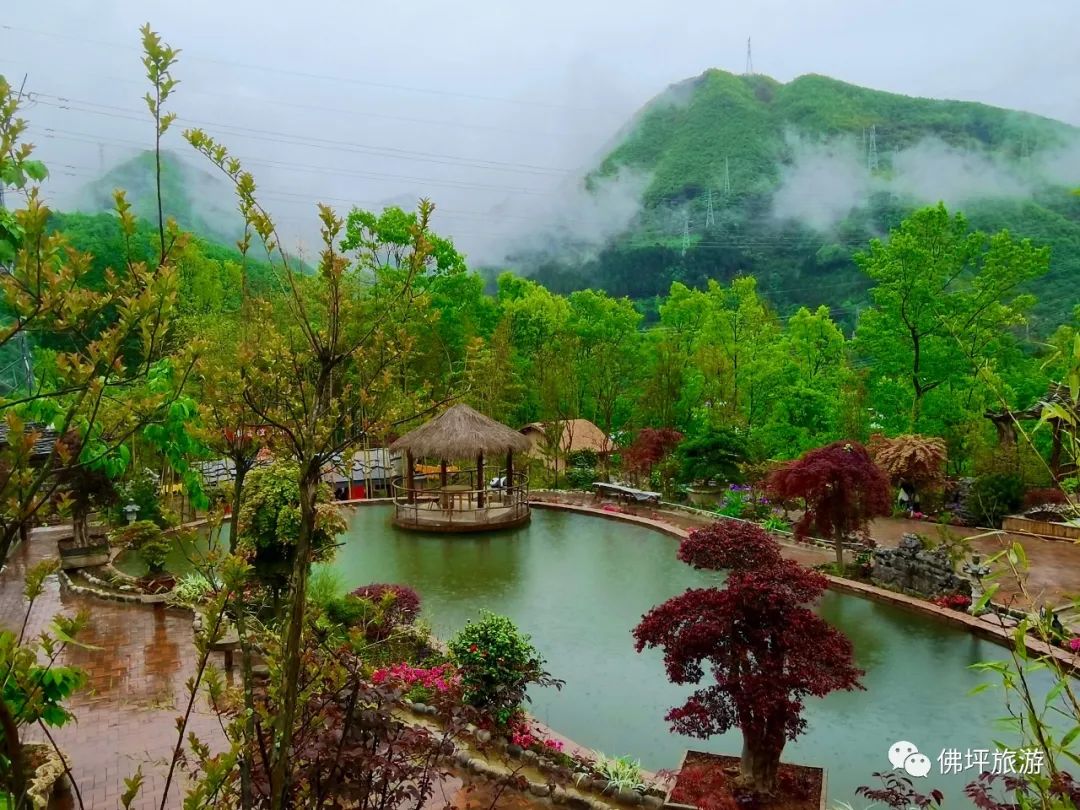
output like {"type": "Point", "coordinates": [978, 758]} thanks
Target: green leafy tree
{"type": "Point", "coordinates": [95, 384]}
{"type": "Point", "coordinates": [944, 299]}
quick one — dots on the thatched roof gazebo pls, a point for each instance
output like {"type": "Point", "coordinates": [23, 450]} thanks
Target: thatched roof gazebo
{"type": "Point", "coordinates": [467, 501]}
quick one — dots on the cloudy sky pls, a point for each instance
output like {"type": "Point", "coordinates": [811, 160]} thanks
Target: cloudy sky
{"type": "Point", "coordinates": [492, 109]}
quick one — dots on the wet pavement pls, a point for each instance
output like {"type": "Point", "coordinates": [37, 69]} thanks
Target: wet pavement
{"type": "Point", "coordinates": [138, 659]}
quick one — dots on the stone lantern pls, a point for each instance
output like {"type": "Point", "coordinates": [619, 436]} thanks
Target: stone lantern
{"type": "Point", "coordinates": [131, 512]}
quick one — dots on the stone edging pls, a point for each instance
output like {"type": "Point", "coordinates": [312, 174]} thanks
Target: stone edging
{"type": "Point", "coordinates": [980, 627]}
{"type": "Point", "coordinates": [592, 794]}
{"type": "Point", "coordinates": [99, 592]}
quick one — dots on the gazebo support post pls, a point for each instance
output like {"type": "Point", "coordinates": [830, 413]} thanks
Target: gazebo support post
{"type": "Point", "coordinates": [480, 481]}
{"type": "Point", "coordinates": [442, 473]}
{"type": "Point", "coordinates": [410, 481]}
{"type": "Point", "coordinates": [509, 482]}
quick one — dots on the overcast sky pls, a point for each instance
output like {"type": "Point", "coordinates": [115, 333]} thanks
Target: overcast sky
{"type": "Point", "coordinates": [492, 109]}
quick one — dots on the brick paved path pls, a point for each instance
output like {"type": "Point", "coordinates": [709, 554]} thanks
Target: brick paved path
{"type": "Point", "coordinates": [126, 716]}
{"type": "Point", "coordinates": [142, 657]}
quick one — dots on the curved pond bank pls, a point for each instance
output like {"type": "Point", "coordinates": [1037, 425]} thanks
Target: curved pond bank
{"type": "Point", "coordinates": [578, 585]}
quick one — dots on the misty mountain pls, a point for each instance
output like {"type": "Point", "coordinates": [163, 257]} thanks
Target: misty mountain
{"type": "Point", "coordinates": [198, 200]}
{"type": "Point", "coordinates": [744, 174]}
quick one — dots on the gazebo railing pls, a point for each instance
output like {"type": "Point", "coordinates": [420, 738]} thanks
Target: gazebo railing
{"type": "Point", "coordinates": [461, 501]}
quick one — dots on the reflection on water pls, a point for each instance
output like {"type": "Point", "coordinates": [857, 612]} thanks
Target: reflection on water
{"type": "Point", "coordinates": [579, 584]}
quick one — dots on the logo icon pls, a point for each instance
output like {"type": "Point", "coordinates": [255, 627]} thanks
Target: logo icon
{"type": "Point", "coordinates": [905, 755]}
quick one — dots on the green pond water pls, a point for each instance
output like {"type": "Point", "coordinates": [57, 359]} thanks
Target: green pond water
{"type": "Point", "coordinates": [578, 584]}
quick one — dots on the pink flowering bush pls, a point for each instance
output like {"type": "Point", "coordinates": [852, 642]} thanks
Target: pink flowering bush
{"type": "Point", "coordinates": [523, 737]}
{"type": "Point", "coordinates": [1073, 644]}
{"type": "Point", "coordinates": [442, 678]}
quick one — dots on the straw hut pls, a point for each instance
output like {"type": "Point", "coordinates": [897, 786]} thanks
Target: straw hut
{"type": "Point", "coordinates": [573, 435]}
{"type": "Point", "coordinates": [468, 501]}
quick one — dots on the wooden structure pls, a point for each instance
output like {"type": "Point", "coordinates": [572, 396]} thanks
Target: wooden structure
{"type": "Point", "coordinates": [465, 500]}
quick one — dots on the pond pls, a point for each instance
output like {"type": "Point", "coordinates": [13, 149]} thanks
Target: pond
{"type": "Point", "coordinates": [578, 584]}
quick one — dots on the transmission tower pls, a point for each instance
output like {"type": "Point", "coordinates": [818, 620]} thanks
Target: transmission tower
{"type": "Point", "coordinates": [710, 220]}
{"type": "Point", "coordinates": [686, 234]}
{"type": "Point", "coordinates": [749, 59]}
{"type": "Point", "coordinates": [871, 150]}
{"type": "Point", "coordinates": [727, 177]}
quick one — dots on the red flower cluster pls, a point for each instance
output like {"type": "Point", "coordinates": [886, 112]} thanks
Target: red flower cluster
{"type": "Point", "coordinates": [524, 736]}
{"type": "Point", "coordinates": [441, 679]}
{"type": "Point", "coordinates": [955, 601]}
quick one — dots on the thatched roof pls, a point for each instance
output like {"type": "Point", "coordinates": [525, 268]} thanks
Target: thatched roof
{"type": "Point", "coordinates": [577, 434]}
{"type": "Point", "coordinates": [461, 432]}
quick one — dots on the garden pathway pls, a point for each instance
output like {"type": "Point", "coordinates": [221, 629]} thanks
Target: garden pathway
{"type": "Point", "coordinates": [1053, 576]}
{"type": "Point", "coordinates": [138, 660]}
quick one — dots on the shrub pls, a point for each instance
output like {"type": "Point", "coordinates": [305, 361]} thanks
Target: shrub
{"type": "Point", "coordinates": [1070, 486]}
{"type": "Point", "coordinates": [399, 604]}
{"type": "Point", "coordinates": [192, 588]}
{"type": "Point", "coordinates": [1043, 495]}
{"type": "Point", "coordinates": [324, 587]}
{"type": "Point", "coordinates": [993, 496]}
{"type": "Point", "coordinates": [580, 477]}
{"type": "Point", "coordinates": [716, 454]}
{"type": "Point", "coordinates": [146, 538]}
{"type": "Point", "coordinates": [349, 611]}
{"type": "Point", "coordinates": [142, 490]}
{"type": "Point", "coordinates": [582, 458]}
{"type": "Point", "coordinates": [497, 663]}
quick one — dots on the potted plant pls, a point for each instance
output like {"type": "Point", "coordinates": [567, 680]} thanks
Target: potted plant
{"type": "Point", "coordinates": [151, 544]}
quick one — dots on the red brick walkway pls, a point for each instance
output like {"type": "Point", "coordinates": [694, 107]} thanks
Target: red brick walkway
{"type": "Point", "coordinates": [138, 661]}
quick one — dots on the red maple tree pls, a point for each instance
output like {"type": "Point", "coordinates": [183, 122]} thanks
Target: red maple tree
{"type": "Point", "coordinates": [842, 487]}
{"type": "Point", "coordinates": [649, 448]}
{"type": "Point", "coordinates": [763, 644]}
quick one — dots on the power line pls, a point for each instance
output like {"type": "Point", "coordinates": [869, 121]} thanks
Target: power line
{"type": "Point", "coordinates": [111, 111]}
{"type": "Point", "coordinates": [362, 113]}
{"type": "Point", "coordinates": [95, 139]}
{"type": "Point", "coordinates": [323, 77]}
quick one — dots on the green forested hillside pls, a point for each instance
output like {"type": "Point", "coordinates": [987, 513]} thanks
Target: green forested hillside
{"type": "Point", "coordinates": [209, 272]}
{"type": "Point", "coordinates": [737, 139]}
{"type": "Point", "coordinates": [197, 200]}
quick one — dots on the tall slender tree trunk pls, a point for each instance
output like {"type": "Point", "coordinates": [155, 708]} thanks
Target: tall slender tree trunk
{"type": "Point", "coordinates": [838, 544]}
{"type": "Point", "coordinates": [238, 492]}
{"type": "Point", "coordinates": [279, 783]}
